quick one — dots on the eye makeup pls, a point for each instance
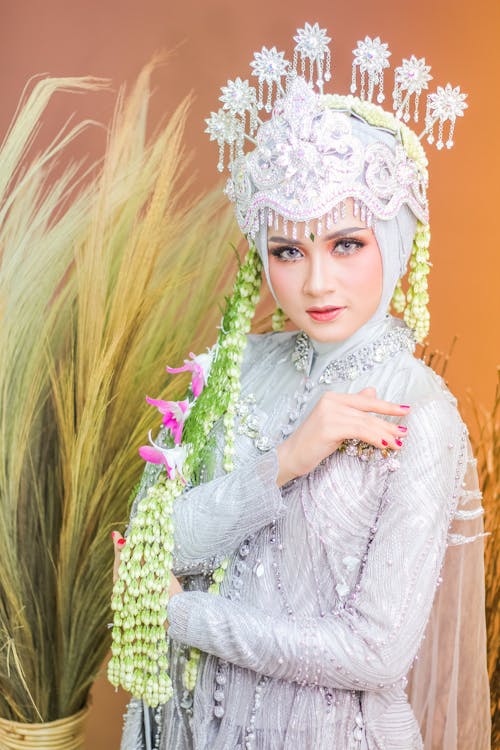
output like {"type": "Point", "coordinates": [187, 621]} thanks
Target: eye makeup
{"type": "Point", "coordinates": [290, 252]}
{"type": "Point", "coordinates": [326, 238]}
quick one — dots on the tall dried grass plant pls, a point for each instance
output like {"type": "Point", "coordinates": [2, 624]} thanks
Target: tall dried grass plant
{"type": "Point", "coordinates": [103, 280]}
{"type": "Point", "coordinates": [486, 442]}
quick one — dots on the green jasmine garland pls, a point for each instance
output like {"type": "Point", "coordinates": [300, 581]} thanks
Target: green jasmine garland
{"type": "Point", "coordinates": [413, 305]}
{"type": "Point", "coordinates": [278, 319]}
{"type": "Point", "coordinates": [139, 648]}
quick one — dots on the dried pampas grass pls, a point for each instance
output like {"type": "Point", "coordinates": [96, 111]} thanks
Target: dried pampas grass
{"type": "Point", "coordinates": [105, 277]}
{"type": "Point", "coordinates": [486, 443]}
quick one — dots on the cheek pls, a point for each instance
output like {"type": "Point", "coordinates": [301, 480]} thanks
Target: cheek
{"type": "Point", "coordinates": [284, 278]}
{"type": "Point", "coordinates": [366, 281]}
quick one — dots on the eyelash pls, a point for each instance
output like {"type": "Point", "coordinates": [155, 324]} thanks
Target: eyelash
{"type": "Point", "coordinates": [278, 252]}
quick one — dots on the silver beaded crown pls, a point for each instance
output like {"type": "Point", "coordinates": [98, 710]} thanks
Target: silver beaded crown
{"type": "Point", "coordinates": [307, 158]}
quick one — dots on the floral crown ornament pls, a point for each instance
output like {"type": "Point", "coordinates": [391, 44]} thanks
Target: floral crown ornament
{"type": "Point", "coordinates": [306, 158]}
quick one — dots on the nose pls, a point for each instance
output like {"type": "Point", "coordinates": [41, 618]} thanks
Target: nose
{"type": "Point", "coordinates": [319, 280]}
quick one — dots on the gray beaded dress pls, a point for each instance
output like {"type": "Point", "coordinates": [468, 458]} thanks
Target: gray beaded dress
{"type": "Point", "coordinates": [332, 580]}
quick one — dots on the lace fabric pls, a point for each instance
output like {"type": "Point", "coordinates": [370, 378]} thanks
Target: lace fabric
{"type": "Point", "coordinates": [448, 685]}
{"type": "Point", "coordinates": [331, 584]}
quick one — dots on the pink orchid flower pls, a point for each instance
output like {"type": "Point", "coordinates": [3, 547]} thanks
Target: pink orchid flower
{"type": "Point", "coordinates": [200, 367]}
{"type": "Point", "coordinates": [174, 415]}
{"type": "Point", "coordinates": [171, 458]}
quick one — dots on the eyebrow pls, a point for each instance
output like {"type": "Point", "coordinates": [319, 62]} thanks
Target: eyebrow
{"type": "Point", "coordinates": [331, 236]}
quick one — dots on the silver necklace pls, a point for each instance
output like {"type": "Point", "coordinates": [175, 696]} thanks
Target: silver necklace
{"type": "Point", "coordinates": [391, 343]}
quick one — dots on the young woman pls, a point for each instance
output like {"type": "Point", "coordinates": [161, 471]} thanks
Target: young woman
{"type": "Point", "coordinates": [329, 485]}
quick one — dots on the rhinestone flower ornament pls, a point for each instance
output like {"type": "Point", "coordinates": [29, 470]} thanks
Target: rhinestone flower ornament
{"type": "Point", "coordinates": [221, 127]}
{"type": "Point", "coordinates": [238, 97]}
{"type": "Point", "coordinates": [269, 66]}
{"type": "Point", "coordinates": [371, 56]}
{"type": "Point", "coordinates": [312, 45]}
{"type": "Point", "coordinates": [306, 160]}
{"type": "Point", "coordinates": [445, 105]}
{"type": "Point", "coordinates": [411, 78]}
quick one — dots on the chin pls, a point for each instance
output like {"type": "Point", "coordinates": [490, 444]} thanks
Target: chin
{"type": "Point", "coordinates": [326, 333]}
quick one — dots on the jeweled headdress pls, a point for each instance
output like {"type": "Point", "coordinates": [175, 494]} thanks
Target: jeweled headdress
{"type": "Point", "coordinates": [306, 159]}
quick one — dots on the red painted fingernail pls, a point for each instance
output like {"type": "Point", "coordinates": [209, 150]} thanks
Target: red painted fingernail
{"type": "Point", "coordinates": [121, 542]}
{"type": "Point", "coordinates": [113, 534]}
{"type": "Point", "coordinates": [397, 441]}
{"type": "Point", "coordinates": [404, 406]}
{"type": "Point", "coordinates": [402, 428]}
{"type": "Point", "coordinates": [384, 442]}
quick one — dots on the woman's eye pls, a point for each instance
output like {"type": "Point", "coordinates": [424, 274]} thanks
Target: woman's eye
{"type": "Point", "coordinates": [347, 247]}
{"type": "Point", "coordinates": [286, 253]}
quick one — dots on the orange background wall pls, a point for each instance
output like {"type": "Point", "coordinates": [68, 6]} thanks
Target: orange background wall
{"type": "Point", "coordinates": [214, 40]}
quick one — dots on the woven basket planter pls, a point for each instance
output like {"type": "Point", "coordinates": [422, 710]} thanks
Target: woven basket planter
{"type": "Point", "coordinates": [63, 734]}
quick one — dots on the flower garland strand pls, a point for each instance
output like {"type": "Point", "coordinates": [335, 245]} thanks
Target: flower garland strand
{"type": "Point", "coordinates": [278, 320]}
{"type": "Point", "coordinates": [416, 314]}
{"type": "Point", "coordinates": [399, 298]}
{"type": "Point", "coordinates": [225, 393]}
{"type": "Point", "coordinates": [139, 648]}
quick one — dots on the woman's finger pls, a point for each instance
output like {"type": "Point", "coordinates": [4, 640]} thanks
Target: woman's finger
{"type": "Point", "coordinates": [369, 391]}
{"type": "Point", "coordinates": [381, 433]}
{"type": "Point", "coordinates": [118, 542]}
{"type": "Point", "coordinates": [379, 406]}
{"type": "Point", "coordinates": [118, 539]}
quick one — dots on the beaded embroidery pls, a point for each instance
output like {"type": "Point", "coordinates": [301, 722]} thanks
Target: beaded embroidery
{"type": "Point", "coordinates": [392, 342]}
{"type": "Point", "coordinates": [348, 368]}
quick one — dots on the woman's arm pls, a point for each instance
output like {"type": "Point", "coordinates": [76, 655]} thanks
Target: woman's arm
{"type": "Point", "coordinates": [370, 643]}
{"type": "Point", "coordinates": [211, 520]}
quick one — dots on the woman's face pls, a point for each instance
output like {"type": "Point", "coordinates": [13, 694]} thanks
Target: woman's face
{"type": "Point", "coordinates": [330, 285]}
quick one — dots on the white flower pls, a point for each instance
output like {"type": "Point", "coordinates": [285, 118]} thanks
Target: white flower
{"type": "Point", "coordinates": [221, 127]}
{"type": "Point", "coordinates": [238, 97]}
{"type": "Point", "coordinates": [312, 42]}
{"type": "Point", "coordinates": [269, 65]}
{"type": "Point", "coordinates": [204, 361]}
{"type": "Point", "coordinates": [176, 458]}
{"type": "Point", "coordinates": [447, 103]}
{"type": "Point", "coordinates": [172, 458]}
{"type": "Point", "coordinates": [413, 75]}
{"type": "Point", "coordinates": [371, 55]}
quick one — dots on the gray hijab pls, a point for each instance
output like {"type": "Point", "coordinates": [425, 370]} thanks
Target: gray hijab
{"type": "Point", "coordinates": [394, 238]}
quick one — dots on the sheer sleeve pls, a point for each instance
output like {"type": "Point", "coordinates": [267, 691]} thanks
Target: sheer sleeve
{"type": "Point", "coordinates": [210, 520]}
{"type": "Point", "coordinates": [370, 643]}
{"type": "Point", "coordinates": [448, 686]}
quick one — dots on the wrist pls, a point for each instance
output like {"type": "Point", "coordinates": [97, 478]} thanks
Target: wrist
{"type": "Point", "coordinates": [286, 465]}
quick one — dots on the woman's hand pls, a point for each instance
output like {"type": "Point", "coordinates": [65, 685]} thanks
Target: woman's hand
{"type": "Point", "coordinates": [118, 543]}
{"type": "Point", "coordinates": [335, 418]}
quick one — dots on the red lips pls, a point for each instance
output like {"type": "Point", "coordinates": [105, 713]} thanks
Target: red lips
{"type": "Point", "coordinates": [325, 314]}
